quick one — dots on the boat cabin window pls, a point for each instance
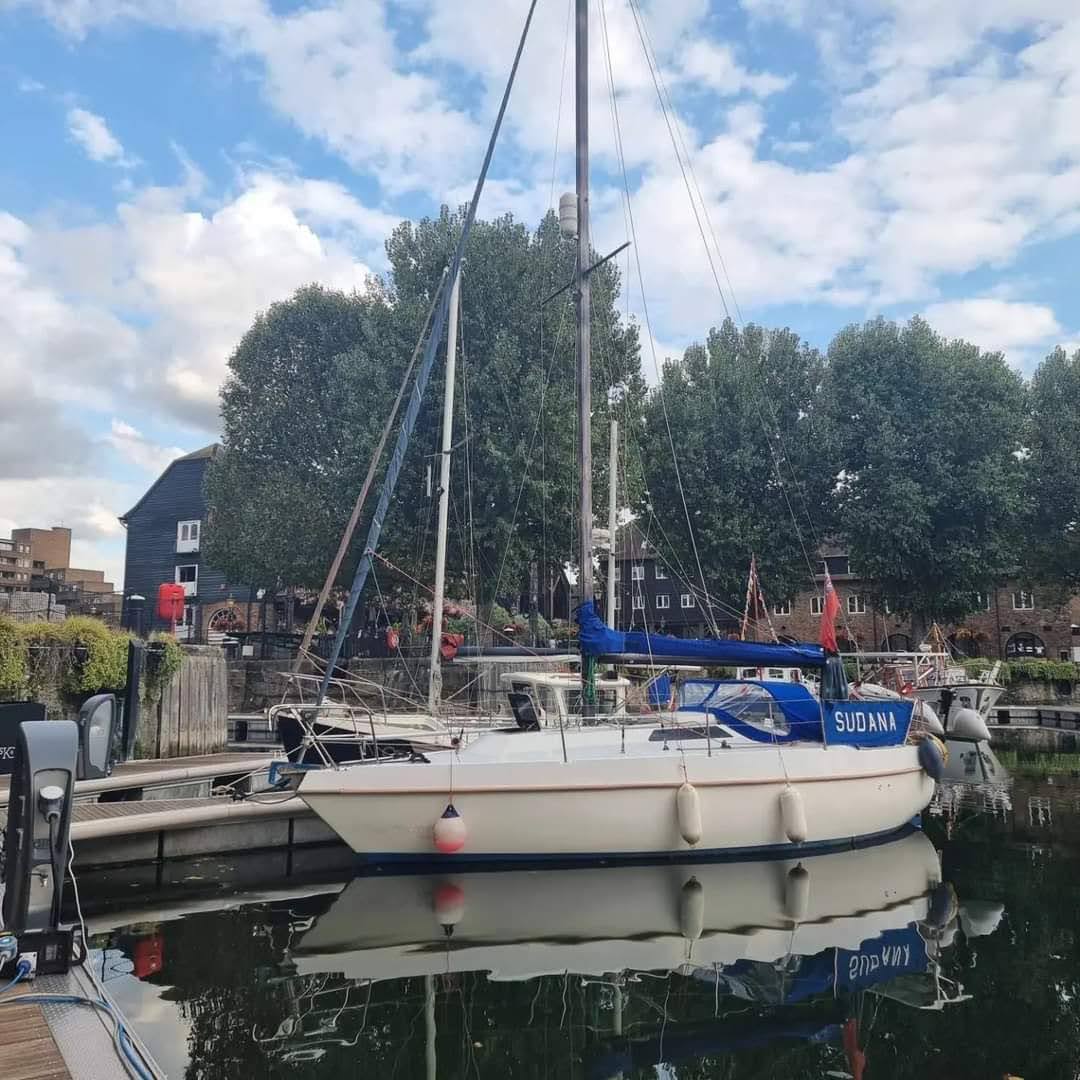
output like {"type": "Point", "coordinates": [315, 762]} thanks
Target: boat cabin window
{"type": "Point", "coordinates": [687, 732]}
{"type": "Point", "coordinates": [534, 692]}
{"type": "Point", "coordinates": [695, 692]}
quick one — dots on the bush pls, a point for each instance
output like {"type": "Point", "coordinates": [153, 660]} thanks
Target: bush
{"type": "Point", "coordinates": [13, 670]}
{"type": "Point", "coordinates": [163, 660]}
{"type": "Point", "coordinates": [1028, 670]}
{"type": "Point", "coordinates": [64, 662]}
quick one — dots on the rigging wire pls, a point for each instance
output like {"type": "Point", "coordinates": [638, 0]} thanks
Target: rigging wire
{"type": "Point", "coordinates": [562, 92]}
{"type": "Point", "coordinates": [778, 452]}
{"type": "Point", "coordinates": [528, 454]}
{"type": "Point", "coordinates": [645, 311]}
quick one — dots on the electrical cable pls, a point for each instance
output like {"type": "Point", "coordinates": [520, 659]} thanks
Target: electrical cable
{"type": "Point", "coordinates": [120, 1037]}
{"type": "Point", "coordinates": [21, 971]}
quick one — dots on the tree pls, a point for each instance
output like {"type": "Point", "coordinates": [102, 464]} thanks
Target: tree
{"type": "Point", "coordinates": [741, 410]}
{"type": "Point", "coordinates": [1053, 478]}
{"type": "Point", "coordinates": [517, 373]}
{"type": "Point", "coordinates": [301, 411]}
{"type": "Point", "coordinates": [925, 436]}
{"type": "Point", "coordinates": [311, 383]}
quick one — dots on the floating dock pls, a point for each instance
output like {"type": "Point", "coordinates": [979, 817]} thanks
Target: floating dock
{"type": "Point", "coordinates": [158, 809]}
{"type": "Point", "coordinates": [63, 1040]}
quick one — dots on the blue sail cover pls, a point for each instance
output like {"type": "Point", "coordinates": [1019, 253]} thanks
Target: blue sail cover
{"type": "Point", "coordinates": [597, 639]}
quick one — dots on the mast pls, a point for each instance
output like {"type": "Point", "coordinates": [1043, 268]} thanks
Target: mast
{"type": "Point", "coordinates": [581, 102]}
{"type": "Point", "coordinates": [435, 666]}
{"type": "Point", "coordinates": [612, 514]}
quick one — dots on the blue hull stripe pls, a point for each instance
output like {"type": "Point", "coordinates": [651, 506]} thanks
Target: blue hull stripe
{"type": "Point", "coordinates": [419, 863]}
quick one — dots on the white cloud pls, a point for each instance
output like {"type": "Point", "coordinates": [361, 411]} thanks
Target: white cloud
{"type": "Point", "coordinates": [187, 281]}
{"type": "Point", "coordinates": [136, 448]}
{"type": "Point", "coordinates": [139, 312]}
{"type": "Point", "coordinates": [92, 133]}
{"type": "Point", "coordinates": [1010, 326]}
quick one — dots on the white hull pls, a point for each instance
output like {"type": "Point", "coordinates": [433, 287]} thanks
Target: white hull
{"type": "Point", "coordinates": [522, 924]}
{"type": "Point", "coordinates": [520, 800]}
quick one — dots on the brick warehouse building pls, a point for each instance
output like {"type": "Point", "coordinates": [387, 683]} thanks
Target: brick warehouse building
{"type": "Point", "coordinates": [1011, 624]}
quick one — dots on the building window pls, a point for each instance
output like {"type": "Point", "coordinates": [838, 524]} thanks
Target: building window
{"type": "Point", "coordinates": [1023, 601]}
{"type": "Point", "coordinates": [783, 608]}
{"type": "Point", "coordinates": [856, 605]}
{"type": "Point", "coordinates": [637, 602]}
{"type": "Point", "coordinates": [686, 600]}
{"type": "Point", "coordinates": [188, 576]}
{"type": "Point", "coordinates": [663, 600]}
{"type": "Point", "coordinates": [984, 601]}
{"type": "Point", "coordinates": [1024, 646]}
{"type": "Point", "coordinates": [886, 607]}
{"type": "Point", "coordinates": [618, 602]}
{"type": "Point", "coordinates": [817, 605]}
{"type": "Point", "coordinates": [187, 536]}
{"type": "Point", "coordinates": [837, 565]}
{"type": "Point", "coordinates": [637, 572]}
{"type": "Point", "coordinates": [660, 573]}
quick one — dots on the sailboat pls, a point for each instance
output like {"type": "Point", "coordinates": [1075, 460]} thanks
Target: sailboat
{"type": "Point", "coordinates": [758, 768]}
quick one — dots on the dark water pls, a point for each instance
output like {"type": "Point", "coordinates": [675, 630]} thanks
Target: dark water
{"type": "Point", "coordinates": [844, 965]}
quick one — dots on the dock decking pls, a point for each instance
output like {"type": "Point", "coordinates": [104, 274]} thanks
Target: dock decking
{"type": "Point", "coordinates": [60, 1041]}
{"type": "Point", "coordinates": [28, 1050]}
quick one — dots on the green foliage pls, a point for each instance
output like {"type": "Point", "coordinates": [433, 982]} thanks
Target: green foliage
{"type": "Point", "coordinates": [301, 409]}
{"type": "Point", "coordinates": [720, 401]}
{"type": "Point", "coordinates": [1043, 670]}
{"type": "Point", "coordinates": [312, 381]}
{"type": "Point", "coordinates": [76, 657]}
{"type": "Point", "coordinates": [923, 436]}
{"type": "Point", "coordinates": [63, 662]}
{"type": "Point", "coordinates": [13, 669]}
{"type": "Point", "coordinates": [1030, 670]}
{"type": "Point", "coordinates": [163, 659]}
{"type": "Point", "coordinates": [1053, 479]}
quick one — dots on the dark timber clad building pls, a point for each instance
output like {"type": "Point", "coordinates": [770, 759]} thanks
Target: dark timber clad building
{"type": "Point", "coordinates": [164, 538]}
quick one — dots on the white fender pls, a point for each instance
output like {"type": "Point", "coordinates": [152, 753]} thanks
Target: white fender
{"type": "Point", "coordinates": [797, 893]}
{"type": "Point", "coordinates": [968, 725]}
{"type": "Point", "coordinates": [692, 909]}
{"type": "Point", "coordinates": [793, 815]}
{"type": "Point", "coordinates": [688, 811]}
{"type": "Point", "coordinates": [449, 832]}
{"type": "Point", "coordinates": [929, 718]}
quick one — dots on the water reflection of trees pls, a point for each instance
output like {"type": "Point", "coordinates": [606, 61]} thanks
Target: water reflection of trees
{"type": "Point", "coordinates": [251, 1015]}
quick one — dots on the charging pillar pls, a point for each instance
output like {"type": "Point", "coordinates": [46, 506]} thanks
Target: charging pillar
{"type": "Point", "coordinates": [38, 824]}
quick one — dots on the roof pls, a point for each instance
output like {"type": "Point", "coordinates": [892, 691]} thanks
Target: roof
{"type": "Point", "coordinates": [633, 544]}
{"type": "Point", "coordinates": [206, 453]}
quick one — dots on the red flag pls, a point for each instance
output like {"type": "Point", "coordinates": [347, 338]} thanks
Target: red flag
{"type": "Point", "coordinates": [828, 616]}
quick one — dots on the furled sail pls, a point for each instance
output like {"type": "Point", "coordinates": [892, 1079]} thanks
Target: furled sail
{"type": "Point", "coordinates": [599, 640]}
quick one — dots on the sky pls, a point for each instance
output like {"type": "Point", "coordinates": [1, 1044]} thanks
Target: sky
{"type": "Point", "coordinates": [172, 167]}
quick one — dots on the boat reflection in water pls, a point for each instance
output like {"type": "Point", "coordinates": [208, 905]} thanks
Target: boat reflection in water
{"type": "Point", "coordinates": [823, 930]}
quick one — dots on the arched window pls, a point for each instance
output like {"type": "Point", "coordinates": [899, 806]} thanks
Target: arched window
{"type": "Point", "coordinates": [969, 644]}
{"type": "Point", "coordinates": [845, 644]}
{"type": "Point", "coordinates": [1025, 647]}
{"type": "Point", "coordinates": [225, 620]}
{"type": "Point", "coordinates": [896, 643]}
